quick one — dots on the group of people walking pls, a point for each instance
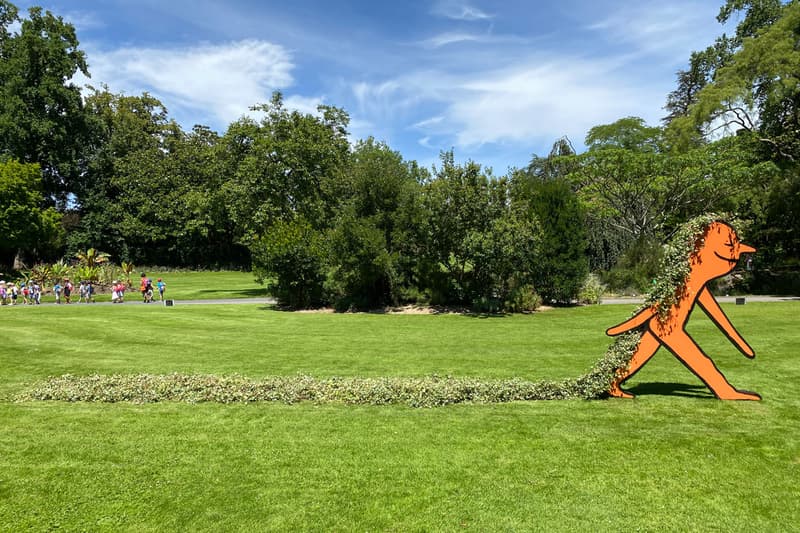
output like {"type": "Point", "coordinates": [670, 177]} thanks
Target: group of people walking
{"type": "Point", "coordinates": [26, 293]}
{"type": "Point", "coordinates": [146, 288]}
{"type": "Point", "coordinates": [30, 293]}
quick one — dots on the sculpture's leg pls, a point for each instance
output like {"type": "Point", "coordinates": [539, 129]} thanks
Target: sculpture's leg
{"type": "Point", "coordinates": [690, 354]}
{"type": "Point", "coordinates": [647, 347]}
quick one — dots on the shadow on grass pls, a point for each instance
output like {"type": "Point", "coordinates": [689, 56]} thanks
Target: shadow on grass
{"type": "Point", "coordinates": [246, 293]}
{"type": "Point", "coordinates": [670, 389]}
{"type": "Point", "coordinates": [408, 310]}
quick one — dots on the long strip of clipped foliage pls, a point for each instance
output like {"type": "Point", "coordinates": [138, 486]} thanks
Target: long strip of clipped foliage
{"type": "Point", "coordinates": [417, 392]}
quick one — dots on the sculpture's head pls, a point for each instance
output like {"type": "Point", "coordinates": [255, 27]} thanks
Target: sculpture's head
{"type": "Point", "coordinates": [721, 250]}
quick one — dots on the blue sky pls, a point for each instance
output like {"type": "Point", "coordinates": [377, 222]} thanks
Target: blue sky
{"type": "Point", "coordinates": [495, 81]}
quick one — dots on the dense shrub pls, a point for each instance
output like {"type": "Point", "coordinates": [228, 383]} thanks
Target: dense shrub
{"type": "Point", "coordinates": [591, 291]}
{"type": "Point", "coordinates": [523, 299]}
{"type": "Point", "coordinates": [290, 257]}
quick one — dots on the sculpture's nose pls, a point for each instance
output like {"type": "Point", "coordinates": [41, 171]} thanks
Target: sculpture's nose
{"type": "Point", "coordinates": [745, 249]}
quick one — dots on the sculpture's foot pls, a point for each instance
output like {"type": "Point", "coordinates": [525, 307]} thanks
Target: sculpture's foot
{"type": "Point", "coordinates": [741, 395]}
{"type": "Point", "coordinates": [616, 392]}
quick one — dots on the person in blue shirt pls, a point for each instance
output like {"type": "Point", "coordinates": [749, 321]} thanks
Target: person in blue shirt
{"type": "Point", "coordinates": [161, 288]}
{"type": "Point", "coordinates": [57, 291]}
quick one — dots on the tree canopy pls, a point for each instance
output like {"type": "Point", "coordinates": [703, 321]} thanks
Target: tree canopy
{"type": "Point", "coordinates": [325, 219]}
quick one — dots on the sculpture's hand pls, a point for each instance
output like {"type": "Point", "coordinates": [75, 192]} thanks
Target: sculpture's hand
{"type": "Point", "coordinates": [714, 311]}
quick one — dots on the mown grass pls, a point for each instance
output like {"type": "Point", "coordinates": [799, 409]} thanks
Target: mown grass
{"type": "Point", "coordinates": [673, 459]}
{"type": "Point", "coordinates": [209, 285]}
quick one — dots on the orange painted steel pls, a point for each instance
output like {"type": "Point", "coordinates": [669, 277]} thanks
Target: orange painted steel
{"type": "Point", "coordinates": [716, 257]}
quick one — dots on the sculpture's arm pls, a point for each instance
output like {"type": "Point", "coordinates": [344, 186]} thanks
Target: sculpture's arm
{"type": "Point", "coordinates": [632, 323]}
{"type": "Point", "coordinates": [714, 311]}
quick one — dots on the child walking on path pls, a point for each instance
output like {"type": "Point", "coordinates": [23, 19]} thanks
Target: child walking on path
{"type": "Point", "coordinates": [161, 288]}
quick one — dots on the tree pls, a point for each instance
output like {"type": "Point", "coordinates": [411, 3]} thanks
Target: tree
{"type": "Point", "coordinates": [456, 203]}
{"type": "Point", "coordinates": [475, 245]}
{"type": "Point", "coordinates": [25, 226]}
{"type": "Point", "coordinates": [371, 251]}
{"type": "Point", "coordinates": [703, 65]}
{"type": "Point", "coordinates": [557, 164]}
{"type": "Point", "coordinates": [290, 258]}
{"type": "Point", "coordinates": [120, 185]}
{"type": "Point", "coordinates": [283, 191]}
{"type": "Point", "coordinates": [42, 117]}
{"type": "Point", "coordinates": [287, 165]}
{"type": "Point", "coordinates": [754, 92]}
{"type": "Point", "coordinates": [561, 264]}
{"type": "Point", "coordinates": [629, 133]}
{"type": "Point", "coordinates": [757, 90]}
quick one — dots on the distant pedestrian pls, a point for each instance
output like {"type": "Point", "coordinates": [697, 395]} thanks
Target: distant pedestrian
{"type": "Point", "coordinates": [68, 287]}
{"type": "Point", "coordinates": [89, 292]}
{"type": "Point", "coordinates": [81, 291]}
{"type": "Point", "coordinates": [143, 286]}
{"type": "Point", "coordinates": [36, 293]}
{"type": "Point", "coordinates": [161, 288]}
{"type": "Point", "coordinates": [57, 288]}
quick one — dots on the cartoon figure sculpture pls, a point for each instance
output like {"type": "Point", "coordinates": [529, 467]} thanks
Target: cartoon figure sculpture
{"type": "Point", "coordinates": [716, 255]}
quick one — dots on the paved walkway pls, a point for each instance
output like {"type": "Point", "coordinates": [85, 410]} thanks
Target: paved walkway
{"type": "Point", "coordinates": [271, 301]}
{"type": "Point", "coordinates": [723, 299]}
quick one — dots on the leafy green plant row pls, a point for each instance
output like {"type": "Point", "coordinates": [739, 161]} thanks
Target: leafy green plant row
{"type": "Point", "coordinates": [429, 391]}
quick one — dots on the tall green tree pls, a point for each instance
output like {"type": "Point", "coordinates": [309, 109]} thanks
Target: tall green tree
{"type": "Point", "coordinates": [475, 246]}
{"type": "Point", "coordinates": [287, 165]}
{"type": "Point", "coordinates": [756, 89]}
{"type": "Point", "coordinates": [27, 229]}
{"type": "Point", "coordinates": [42, 118]}
{"type": "Point", "coordinates": [562, 263]}
{"type": "Point", "coordinates": [286, 181]}
{"type": "Point", "coordinates": [371, 252]}
{"type": "Point", "coordinates": [753, 16]}
{"type": "Point", "coordinates": [130, 134]}
{"type": "Point", "coordinates": [755, 92]}
{"type": "Point", "coordinates": [548, 196]}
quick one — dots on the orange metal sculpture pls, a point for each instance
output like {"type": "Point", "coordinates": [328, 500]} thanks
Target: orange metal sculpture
{"type": "Point", "coordinates": [716, 257]}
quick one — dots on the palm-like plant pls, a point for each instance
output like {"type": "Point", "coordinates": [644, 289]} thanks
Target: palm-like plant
{"type": "Point", "coordinates": [92, 257]}
{"type": "Point", "coordinates": [89, 273]}
{"type": "Point", "coordinates": [60, 270]}
{"type": "Point", "coordinates": [127, 270]}
{"type": "Point", "coordinates": [40, 272]}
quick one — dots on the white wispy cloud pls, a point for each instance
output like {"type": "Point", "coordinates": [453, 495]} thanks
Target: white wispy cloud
{"type": "Point", "coordinates": [448, 38]}
{"type": "Point", "coordinates": [458, 10]}
{"type": "Point", "coordinates": [304, 104]}
{"type": "Point", "coordinates": [444, 39]}
{"type": "Point", "coordinates": [539, 101]}
{"type": "Point", "coordinates": [428, 122]}
{"type": "Point", "coordinates": [217, 81]}
{"type": "Point", "coordinates": [531, 102]}
{"type": "Point", "coordinates": [661, 29]}
{"type": "Point", "coordinates": [82, 20]}
{"type": "Point", "coordinates": [385, 100]}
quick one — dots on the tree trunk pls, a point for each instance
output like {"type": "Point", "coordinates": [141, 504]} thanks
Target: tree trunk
{"type": "Point", "coordinates": [18, 263]}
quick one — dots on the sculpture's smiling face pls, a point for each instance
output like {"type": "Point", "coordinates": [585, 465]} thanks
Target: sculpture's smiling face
{"type": "Point", "coordinates": [722, 248]}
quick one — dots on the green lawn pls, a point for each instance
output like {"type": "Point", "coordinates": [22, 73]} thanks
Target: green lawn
{"type": "Point", "coordinates": [673, 459]}
{"type": "Point", "coordinates": [208, 285]}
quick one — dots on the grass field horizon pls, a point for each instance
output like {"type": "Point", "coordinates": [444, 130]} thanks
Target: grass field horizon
{"type": "Point", "coordinates": [673, 459]}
